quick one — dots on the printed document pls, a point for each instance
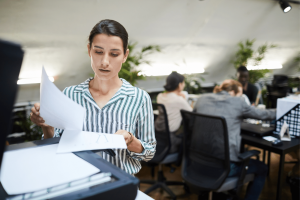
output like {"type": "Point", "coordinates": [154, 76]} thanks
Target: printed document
{"type": "Point", "coordinates": [32, 169]}
{"type": "Point", "coordinates": [72, 141]}
{"type": "Point", "coordinates": [61, 112]}
{"type": "Point", "coordinates": [57, 109]}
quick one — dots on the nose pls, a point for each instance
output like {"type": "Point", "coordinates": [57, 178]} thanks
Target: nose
{"type": "Point", "coordinates": [105, 61]}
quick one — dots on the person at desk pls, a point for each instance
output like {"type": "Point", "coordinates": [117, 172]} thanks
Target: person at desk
{"type": "Point", "coordinates": [112, 104]}
{"type": "Point", "coordinates": [248, 89]}
{"type": "Point", "coordinates": [174, 100]}
{"type": "Point", "coordinates": [226, 101]}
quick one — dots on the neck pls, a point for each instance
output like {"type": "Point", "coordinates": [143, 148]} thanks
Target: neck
{"type": "Point", "coordinates": [175, 91]}
{"type": "Point", "coordinates": [245, 86]}
{"type": "Point", "coordinates": [105, 86]}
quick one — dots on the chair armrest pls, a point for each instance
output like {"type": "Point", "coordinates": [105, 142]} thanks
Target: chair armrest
{"type": "Point", "coordinates": [246, 155]}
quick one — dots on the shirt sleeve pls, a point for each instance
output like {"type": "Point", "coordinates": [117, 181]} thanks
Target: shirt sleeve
{"type": "Point", "coordinates": [145, 131]}
{"type": "Point", "coordinates": [255, 113]}
{"type": "Point", "coordinates": [185, 105]}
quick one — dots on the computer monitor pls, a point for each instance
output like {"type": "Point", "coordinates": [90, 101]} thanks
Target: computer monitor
{"type": "Point", "coordinates": [11, 57]}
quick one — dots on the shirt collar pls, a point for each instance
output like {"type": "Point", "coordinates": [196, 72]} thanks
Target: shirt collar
{"type": "Point", "coordinates": [223, 92]}
{"type": "Point", "coordinates": [126, 88]}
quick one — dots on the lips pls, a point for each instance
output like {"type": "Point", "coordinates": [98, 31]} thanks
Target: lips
{"type": "Point", "coordinates": [104, 70]}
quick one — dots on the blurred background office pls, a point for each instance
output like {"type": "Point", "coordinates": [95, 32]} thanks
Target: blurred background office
{"type": "Point", "coordinates": [206, 41]}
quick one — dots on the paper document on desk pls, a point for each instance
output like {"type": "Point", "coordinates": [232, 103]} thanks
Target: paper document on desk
{"type": "Point", "coordinates": [57, 109]}
{"type": "Point", "coordinates": [37, 168]}
{"type": "Point", "coordinates": [72, 141]}
{"type": "Point", "coordinates": [270, 138]}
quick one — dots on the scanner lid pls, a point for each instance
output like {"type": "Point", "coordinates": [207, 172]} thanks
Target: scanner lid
{"type": "Point", "coordinates": [11, 57]}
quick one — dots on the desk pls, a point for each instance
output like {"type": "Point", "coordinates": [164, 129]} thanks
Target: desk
{"type": "Point", "coordinates": [266, 145]}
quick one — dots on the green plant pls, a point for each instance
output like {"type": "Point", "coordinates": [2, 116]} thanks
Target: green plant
{"type": "Point", "coordinates": [246, 53]}
{"type": "Point", "coordinates": [129, 69]}
{"type": "Point", "coordinates": [192, 81]}
{"type": "Point", "coordinates": [255, 75]}
{"type": "Point", "coordinates": [192, 84]}
{"type": "Point", "coordinates": [32, 131]}
{"type": "Point", "coordinates": [297, 61]}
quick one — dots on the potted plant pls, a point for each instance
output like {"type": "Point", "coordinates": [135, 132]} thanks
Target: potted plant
{"type": "Point", "coordinates": [246, 53]}
{"type": "Point", "coordinates": [129, 69]}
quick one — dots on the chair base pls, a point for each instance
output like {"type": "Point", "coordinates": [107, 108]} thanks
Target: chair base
{"type": "Point", "coordinates": [161, 183]}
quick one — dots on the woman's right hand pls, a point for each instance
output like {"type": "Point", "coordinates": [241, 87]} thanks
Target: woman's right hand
{"type": "Point", "coordinates": [35, 116]}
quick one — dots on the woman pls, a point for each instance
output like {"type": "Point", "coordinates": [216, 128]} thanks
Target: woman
{"type": "Point", "coordinates": [228, 103]}
{"type": "Point", "coordinates": [112, 104]}
{"type": "Point", "coordinates": [174, 101]}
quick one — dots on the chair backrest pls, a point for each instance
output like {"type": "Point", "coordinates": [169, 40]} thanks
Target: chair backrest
{"type": "Point", "coordinates": [206, 162]}
{"type": "Point", "coordinates": [162, 133]}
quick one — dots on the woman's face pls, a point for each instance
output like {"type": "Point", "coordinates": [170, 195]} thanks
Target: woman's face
{"type": "Point", "coordinates": [181, 86]}
{"type": "Point", "coordinates": [107, 56]}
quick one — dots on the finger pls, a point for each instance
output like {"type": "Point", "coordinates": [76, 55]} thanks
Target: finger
{"type": "Point", "coordinates": [33, 109]}
{"type": "Point", "coordinates": [119, 132]}
{"type": "Point", "coordinates": [37, 106]}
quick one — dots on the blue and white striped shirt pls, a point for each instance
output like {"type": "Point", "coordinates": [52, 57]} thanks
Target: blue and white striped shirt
{"type": "Point", "coordinates": [129, 109]}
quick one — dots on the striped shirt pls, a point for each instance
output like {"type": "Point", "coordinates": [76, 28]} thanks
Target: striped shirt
{"type": "Point", "coordinates": [129, 109]}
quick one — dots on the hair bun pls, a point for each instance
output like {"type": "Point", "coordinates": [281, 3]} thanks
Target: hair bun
{"type": "Point", "coordinates": [173, 81]}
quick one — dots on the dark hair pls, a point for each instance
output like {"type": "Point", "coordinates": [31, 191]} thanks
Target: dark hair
{"type": "Point", "coordinates": [110, 27]}
{"type": "Point", "coordinates": [242, 69]}
{"type": "Point", "coordinates": [228, 85]}
{"type": "Point", "coordinates": [173, 81]}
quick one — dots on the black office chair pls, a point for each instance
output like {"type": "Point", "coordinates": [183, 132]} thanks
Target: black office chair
{"type": "Point", "coordinates": [206, 162]}
{"type": "Point", "coordinates": [162, 155]}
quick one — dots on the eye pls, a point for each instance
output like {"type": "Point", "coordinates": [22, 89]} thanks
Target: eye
{"type": "Point", "coordinates": [114, 54]}
{"type": "Point", "coordinates": [98, 52]}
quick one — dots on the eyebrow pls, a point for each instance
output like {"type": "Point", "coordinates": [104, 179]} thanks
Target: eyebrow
{"type": "Point", "coordinates": [103, 48]}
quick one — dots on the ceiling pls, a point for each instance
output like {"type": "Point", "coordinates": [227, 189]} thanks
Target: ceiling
{"type": "Point", "coordinates": [194, 35]}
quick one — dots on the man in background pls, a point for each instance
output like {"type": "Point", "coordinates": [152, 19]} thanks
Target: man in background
{"type": "Point", "coordinates": [248, 89]}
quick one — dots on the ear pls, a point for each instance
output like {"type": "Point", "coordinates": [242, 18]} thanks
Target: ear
{"type": "Point", "coordinates": [232, 93]}
{"type": "Point", "coordinates": [126, 55]}
{"type": "Point", "coordinates": [89, 49]}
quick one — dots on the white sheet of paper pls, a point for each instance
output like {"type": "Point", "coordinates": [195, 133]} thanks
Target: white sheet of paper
{"type": "Point", "coordinates": [73, 140]}
{"type": "Point", "coordinates": [37, 168]}
{"type": "Point", "coordinates": [285, 129]}
{"type": "Point", "coordinates": [142, 196]}
{"type": "Point", "coordinates": [270, 138]}
{"type": "Point", "coordinates": [57, 109]}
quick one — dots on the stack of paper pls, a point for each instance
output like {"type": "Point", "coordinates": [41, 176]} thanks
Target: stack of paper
{"type": "Point", "coordinates": [37, 168]}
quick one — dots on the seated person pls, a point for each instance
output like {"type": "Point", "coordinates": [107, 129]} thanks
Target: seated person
{"type": "Point", "coordinates": [173, 100]}
{"type": "Point", "coordinates": [240, 94]}
{"type": "Point", "coordinates": [226, 102]}
{"type": "Point", "coordinates": [248, 89]}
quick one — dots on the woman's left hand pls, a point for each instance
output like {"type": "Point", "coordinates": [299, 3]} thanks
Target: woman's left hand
{"type": "Point", "coordinates": [127, 136]}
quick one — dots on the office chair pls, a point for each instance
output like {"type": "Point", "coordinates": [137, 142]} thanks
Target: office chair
{"type": "Point", "coordinates": [206, 162]}
{"type": "Point", "coordinates": [162, 155]}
